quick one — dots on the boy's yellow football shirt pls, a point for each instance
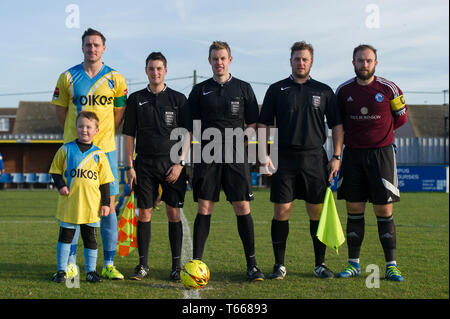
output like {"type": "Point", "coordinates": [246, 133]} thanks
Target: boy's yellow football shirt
{"type": "Point", "coordinates": [83, 174]}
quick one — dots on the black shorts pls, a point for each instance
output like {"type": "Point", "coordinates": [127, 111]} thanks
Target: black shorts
{"type": "Point", "coordinates": [300, 175]}
{"type": "Point", "coordinates": [150, 173]}
{"type": "Point", "coordinates": [233, 178]}
{"type": "Point", "coordinates": [369, 175]}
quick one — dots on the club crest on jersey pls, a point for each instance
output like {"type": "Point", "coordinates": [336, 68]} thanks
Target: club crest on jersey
{"type": "Point", "coordinates": [111, 84]}
{"type": "Point", "coordinates": [379, 97]}
{"type": "Point", "coordinates": [169, 118]}
{"type": "Point", "coordinates": [316, 101]}
{"type": "Point", "coordinates": [234, 108]}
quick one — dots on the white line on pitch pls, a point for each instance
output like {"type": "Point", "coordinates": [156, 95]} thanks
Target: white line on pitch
{"type": "Point", "coordinates": [186, 252]}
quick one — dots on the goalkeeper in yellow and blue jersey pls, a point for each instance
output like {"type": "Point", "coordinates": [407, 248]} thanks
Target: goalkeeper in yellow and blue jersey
{"type": "Point", "coordinates": [82, 175]}
{"type": "Point", "coordinates": [94, 86]}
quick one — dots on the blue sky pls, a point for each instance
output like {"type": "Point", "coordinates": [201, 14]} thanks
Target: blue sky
{"type": "Point", "coordinates": [411, 38]}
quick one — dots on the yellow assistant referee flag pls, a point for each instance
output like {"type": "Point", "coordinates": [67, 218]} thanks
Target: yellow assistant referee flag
{"type": "Point", "coordinates": [330, 230]}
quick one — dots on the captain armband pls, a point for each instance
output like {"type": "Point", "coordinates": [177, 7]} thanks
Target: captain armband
{"type": "Point", "coordinates": [398, 105]}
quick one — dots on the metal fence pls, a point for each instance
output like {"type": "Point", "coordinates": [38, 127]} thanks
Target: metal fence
{"type": "Point", "coordinates": [410, 150]}
{"type": "Point", "coordinates": [415, 150]}
{"type": "Point", "coordinates": [422, 150]}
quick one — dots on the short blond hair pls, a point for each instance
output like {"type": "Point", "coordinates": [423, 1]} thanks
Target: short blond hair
{"type": "Point", "coordinates": [88, 115]}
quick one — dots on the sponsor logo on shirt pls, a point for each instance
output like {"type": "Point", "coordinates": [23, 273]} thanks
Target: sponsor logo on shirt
{"type": "Point", "coordinates": [83, 173]}
{"type": "Point", "coordinates": [364, 115]}
{"type": "Point", "coordinates": [142, 103]}
{"type": "Point", "coordinates": [95, 100]}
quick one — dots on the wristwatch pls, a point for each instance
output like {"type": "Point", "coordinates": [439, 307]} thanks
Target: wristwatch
{"type": "Point", "coordinates": [338, 157]}
{"type": "Point", "coordinates": [182, 163]}
{"type": "Point", "coordinates": [127, 168]}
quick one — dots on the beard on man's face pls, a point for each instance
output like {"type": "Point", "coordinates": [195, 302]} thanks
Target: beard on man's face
{"type": "Point", "coordinates": [364, 74]}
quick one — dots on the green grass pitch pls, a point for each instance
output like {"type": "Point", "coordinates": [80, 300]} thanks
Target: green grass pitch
{"type": "Point", "coordinates": [28, 235]}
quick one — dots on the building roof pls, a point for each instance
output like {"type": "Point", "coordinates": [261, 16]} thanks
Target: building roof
{"type": "Point", "coordinates": [429, 120]}
{"type": "Point", "coordinates": [8, 111]}
{"type": "Point", "coordinates": [35, 118]}
{"type": "Point", "coordinates": [40, 118]}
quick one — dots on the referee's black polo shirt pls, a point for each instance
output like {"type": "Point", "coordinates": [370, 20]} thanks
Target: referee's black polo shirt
{"type": "Point", "coordinates": [151, 117]}
{"type": "Point", "coordinates": [228, 105]}
{"type": "Point", "coordinates": [299, 110]}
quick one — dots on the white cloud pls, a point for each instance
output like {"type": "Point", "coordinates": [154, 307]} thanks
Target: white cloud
{"type": "Point", "coordinates": [412, 38]}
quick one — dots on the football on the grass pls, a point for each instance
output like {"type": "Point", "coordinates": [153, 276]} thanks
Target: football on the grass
{"type": "Point", "coordinates": [195, 274]}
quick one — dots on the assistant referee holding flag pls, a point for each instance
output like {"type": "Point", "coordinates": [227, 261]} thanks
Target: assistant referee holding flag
{"type": "Point", "coordinates": [299, 105]}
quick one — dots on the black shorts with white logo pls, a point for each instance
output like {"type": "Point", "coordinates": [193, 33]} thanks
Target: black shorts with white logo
{"type": "Point", "coordinates": [233, 178]}
{"type": "Point", "coordinates": [300, 175]}
{"type": "Point", "coordinates": [369, 175]}
{"type": "Point", "coordinates": [150, 173]}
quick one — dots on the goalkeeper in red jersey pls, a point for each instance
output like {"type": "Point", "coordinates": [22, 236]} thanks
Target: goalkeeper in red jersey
{"type": "Point", "coordinates": [372, 108]}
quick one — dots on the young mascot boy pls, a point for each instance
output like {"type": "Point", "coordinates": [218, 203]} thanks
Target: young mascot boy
{"type": "Point", "coordinates": [82, 175]}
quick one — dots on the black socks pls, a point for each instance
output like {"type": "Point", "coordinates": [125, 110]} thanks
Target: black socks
{"type": "Point", "coordinates": [201, 231]}
{"type": "Point", "coordinates": [355, 234]}
{"type": "Point", "coordinates": [245, 227]}
{"type": "Point", "coordinates": [143, 238]}
{"type": "Point", "coordinates": [386, 234]}
{"type": "Point", "coordinates": [176, 241]}
{"type": "Point", "coordinates": [279, 232]}
{"type": "Point", "coordinates": [388, 238]}
{"type": "Point", "coordinates": [319, 247]}
{"type": "Point", "coordinates": [246, 232]}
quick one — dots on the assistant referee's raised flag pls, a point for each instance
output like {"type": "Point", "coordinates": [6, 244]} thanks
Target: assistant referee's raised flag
{"type": "Point", "coordinates": [330, 230]}
{"type": "Point", "coordinates": [127, 225]}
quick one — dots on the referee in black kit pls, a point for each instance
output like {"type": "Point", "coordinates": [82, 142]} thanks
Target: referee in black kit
{"type": "Point", "coordinates": [224, 102]}
{"type": "Point", "coordinates": [299, 105]}
{"type": "Point", "coordinates": [151, 115]}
